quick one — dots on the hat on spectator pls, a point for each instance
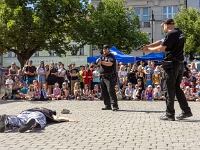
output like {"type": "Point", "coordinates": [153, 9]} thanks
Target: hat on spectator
{"type": "Point", "coordinates": [56, 84]}
{"type": "Point", "coordinates": [149, 86]}
{"type": "Point", "coordinates": [157, 69]}
{"type": "Point", "coordinates": [197, 87]}
{"type": "Point", "coordinates": [156, 83]}
{"type": "Point", "coordinates": [136, 85]}
{"type": "Point", "coordinates": [65, 83]}
{"type": "Point", "coordinates": [30, 61]}
{"type": "Point", "coordinates": [148, 68]}
{"type": "Point", "coordinates": [158, 86]}
{"type": "Point", "coordinates": [9, 75]}
{"type": "Point", "coordinates": [139, 79]}
{"type": "Point", "coordinates": [129, 83]}
{"type": "Point", "coordinates": [69, 65]}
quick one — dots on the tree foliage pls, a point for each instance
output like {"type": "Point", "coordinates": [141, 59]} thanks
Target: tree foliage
{"type": "Point", "coordinates": [188, 20]}
{"type": "Point", "coordinates": [28, 26]}
{"type": "Point", "coordinates": [110, 23]}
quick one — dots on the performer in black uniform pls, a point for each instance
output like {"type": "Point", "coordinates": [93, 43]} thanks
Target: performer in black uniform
{"type": "Point", "coordinates": [173, 66]}
{"type": "Point", "coordinates": [108, 74]}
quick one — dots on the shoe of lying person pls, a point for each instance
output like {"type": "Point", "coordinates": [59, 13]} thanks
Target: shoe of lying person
{"type": "Point", "coordinates": [3, 119]}
{"type": "Point", "coordinates": [27, 126]}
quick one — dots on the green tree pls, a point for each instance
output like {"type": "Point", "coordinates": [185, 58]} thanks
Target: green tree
{"type": "Point", "coordinates": [188, 20]}
{"type": "Point", "coordinates": [43, 25]}
{"type": "Point", "coordinates": [110, 23]}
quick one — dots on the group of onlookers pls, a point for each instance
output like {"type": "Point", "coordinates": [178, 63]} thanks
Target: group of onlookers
{"type": "Point", "coordinates": [134, 82]}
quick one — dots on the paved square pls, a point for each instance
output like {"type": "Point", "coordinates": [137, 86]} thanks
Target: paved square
{"type": "Point", "coordinates": [135, 127]}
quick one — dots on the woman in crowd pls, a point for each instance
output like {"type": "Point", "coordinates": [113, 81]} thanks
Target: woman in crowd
{"type": "Point", "coordinates": [13, 71]}
{"type": "Point", "coordinates": [51, 78]}
{"type": "Point", "coordinates": [41, 72]}
{"type": "Point", "coordinates": [61, 75]}
{"type": "Point", "coordinates": [122, 76]}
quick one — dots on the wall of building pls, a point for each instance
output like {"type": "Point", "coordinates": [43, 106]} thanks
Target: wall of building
{"type": "Point", "coordinates": [194, 4]}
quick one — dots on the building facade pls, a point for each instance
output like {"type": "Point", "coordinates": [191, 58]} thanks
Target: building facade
{"type": "Point", "coordinates": [194, 4]}
{"type": "Point", "coordinates": [48, 57]}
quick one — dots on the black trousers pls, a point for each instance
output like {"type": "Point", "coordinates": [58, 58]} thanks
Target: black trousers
{"type": "Point", "coordinates": [173, 78]}
{"type": "Point", "coordinates": [108, 92]}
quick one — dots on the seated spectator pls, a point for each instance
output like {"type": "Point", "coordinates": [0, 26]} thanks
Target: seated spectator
{"type": "Point", "coordinates": [31, 93]}
{"type": "Point", "coordinates": [129, 91]}
{"type": "Point", "coordinates": [118, 92]}
{"type": "Point", "coordinates": [77, 91]}
{"type": "Point", "coordinates": [43, 93]}
{"type": "Point", "coordinates": [21, 77]}
{"type": "Point", "coordinates": [184, 82]}
{"type": "Point", "coordinates": [64, 91]}
{"type": "Point", "coordinates": [16, 86]}
{"type": "Point", "coordinates": [56, 92]}
{"type": "Point", "coordinates": [141, 89]}
{"type": "Point", "coordinates": [136, 93]}
{"type": "Point", "coordinates": [122, 74]}
{"type": "Point", "coordinates": [96, 94]}
{"type": "Point", "coordinates": [158, 95]}
{"type": "Point", "coordinates": [156, 78]}
{"type": "Point", "coordinates": [22, 92]}
{"type": "Point", "coordinates": [86, 93]}
{"type": "Point", "coordinates": [8, 92]}
{"type": "Point", "coordinates": [188, 94]}
{"type": "Point", "coordinates": [197, 94]}
{"type": "Point", "coordinates": [149, 93]}
{"type": "Point", "coordinates": [192, 79]}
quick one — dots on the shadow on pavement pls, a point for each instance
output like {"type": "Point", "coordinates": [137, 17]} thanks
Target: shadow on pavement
{"type": "Point", "coordinates": [145, 111]}
{"type": "Point", "coordinates": [9, 101]}
{"type": "Point", "coordinates": [187, 120]}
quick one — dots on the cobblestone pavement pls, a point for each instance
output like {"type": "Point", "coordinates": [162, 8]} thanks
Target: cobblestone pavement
{"type": "Point", "coordinates": [135, 127]}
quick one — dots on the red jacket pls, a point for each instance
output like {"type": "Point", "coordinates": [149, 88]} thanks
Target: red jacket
{"type": "Point", "coordinates": [86, 73]}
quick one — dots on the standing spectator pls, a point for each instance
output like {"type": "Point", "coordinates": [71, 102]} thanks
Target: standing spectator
{"type": "Point", "coordinates": [186, 70]}
{"type": "Point", "coordinates": [148, 77]}
{"type": "Point", "coordinates": [51, 78]}
{"type": "Point", "coordinates": [74, 76]}
{"type": "Point", "coordinates": [141, 75]}
{"type": "Point", "coordinates": [41, 72]}
{"type": "Point", "coordinates": [61, 75]}
{"type": "Point", "coordinates": [1, 75]}
{"type": "Point", "coordinates": [156, 77]}
{"type": "Point", "coordinates": [13, 71]}
{"type": "Point", "coordinates": [82, 68]}
{"type": "Point", "coordinates": [132, 75]}
{"type": "Point", "coordinates": [193, 68]}
{"type": "Point", "coordinates": [9, 81]}
{"type": "Point", "coordinates": [95, 77]}
{"type": "Point", "coordinates": [86, 74]}
{"type": "Point", "coordinates": [68, 76]}
{"type": "Point", "coordinates": [122, 74]}
{"type": "Point", "coordinates": [30, 72]}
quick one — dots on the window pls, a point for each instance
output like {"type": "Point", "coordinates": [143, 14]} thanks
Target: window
{"type": "Point", "coordinates": [36, 54]}
{"type": "Point", "coordinates": [169, 11]}
{"type": "Point", "coordinates": [9, 54]}
{"type": "Point", "coordinates": [145, 14]}
{"type": "Point", "coordinates": [52, 53]}
{"type": "Point", "coordinates": [137, 11]}
{"type": "Point", "coordinates": [81, 51]}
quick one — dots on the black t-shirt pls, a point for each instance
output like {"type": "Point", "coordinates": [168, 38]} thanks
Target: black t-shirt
{"type": "Point", "coordinates": [31, 69]}
{"type": "Point", "coordinates": [174, 41]}
{"type": "Point", "coordinates": [108, 58]}
{"type": "Point", "coordinates": [74, 70]}
{"type": "Point", "coordinates": [52, 77]}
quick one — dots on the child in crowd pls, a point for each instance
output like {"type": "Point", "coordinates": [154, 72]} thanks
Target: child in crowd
{"type": "Point", "coordinates": [197, 96]}
{"type": "Point", "coordinates": [64, 91]}
{"type": "Point", "coordinates": [136, 93]}
{"type": "Point", "coordinates": [118, 92]}
{"type": "Point", "coordinates": [31, 93]}
{"type": "Point", "coordinates": [149, 93]}
{"type": "Point", "coordinates": [9, 81]}
{"type": "Point", "coordinates": [36, 87]}
{"type": "Point", "coordinates": [156, 77]}
{"type": "Point", "coordinates": [43, 93]}
{"type": "Point", "coordinates": [129, 91]}
{"type": "Point", "coordinates": [22, 92]}
{"type": "Point", "coordinates": [96, 94]}
{"type": "Point", "coordinates": [77, 91]}
{"type": "Point", "coordinates": [8, 92]}
{"type": "Point", "coordinates": [158, 95]}
{"type": "Point", "coordinates": [86, 93]}
{"type": "Point", "coordinates": [188, 94]}
{"type": "Point", "coordinates": [56, 92]}
{"type": "Point", "coordinates": [148, 77]}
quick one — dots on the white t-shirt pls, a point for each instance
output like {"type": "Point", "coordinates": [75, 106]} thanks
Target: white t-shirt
{"type": "Point", "coordinates": [41, 70]}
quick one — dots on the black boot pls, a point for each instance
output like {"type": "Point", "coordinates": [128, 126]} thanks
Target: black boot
{"type": "Point", "coordinates": [27, 126]}
{"type": "Point", "coordinates": [3, 119]}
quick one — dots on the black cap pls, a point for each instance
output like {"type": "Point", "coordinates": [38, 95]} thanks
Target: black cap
{"type": "Point", "coordinates": [69, 65]}
{"type": "Point", "coordinates": [106, 46]}
{"type": "Point", "coordinates": [168, 21]}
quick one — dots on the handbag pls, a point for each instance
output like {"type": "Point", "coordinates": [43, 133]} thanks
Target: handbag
{"type": "Point", "coordinates": [167, 64]}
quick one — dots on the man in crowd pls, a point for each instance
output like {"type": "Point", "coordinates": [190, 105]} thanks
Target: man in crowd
{"type": "Point", "coordinates": [30, 72]}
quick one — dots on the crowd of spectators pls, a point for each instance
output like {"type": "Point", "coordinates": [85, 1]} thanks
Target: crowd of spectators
{"type": "Point", "coordinates": [134, 82]}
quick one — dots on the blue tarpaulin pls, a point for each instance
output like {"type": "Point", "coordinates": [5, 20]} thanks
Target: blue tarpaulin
{"type": "Point", "coordinates": [151, 56]}
{"type": "Point", "coordinates": [120, 57]}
